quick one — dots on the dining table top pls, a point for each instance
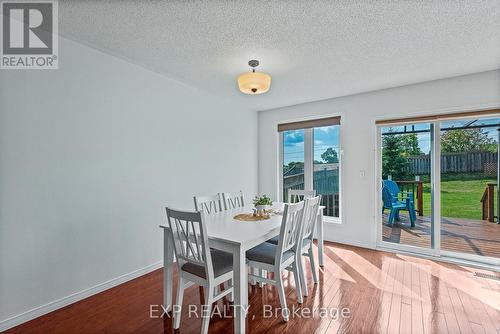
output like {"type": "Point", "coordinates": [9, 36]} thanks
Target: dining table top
{"type": "Point", "coordinates": [223, 226]}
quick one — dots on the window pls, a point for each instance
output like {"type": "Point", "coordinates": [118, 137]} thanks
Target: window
{"type": "Point", "coordinates": [293, 161]}
{"type": "Point", "coordinates": [310, 159]}
{"type": "Point", "coordinates": [326, 152]}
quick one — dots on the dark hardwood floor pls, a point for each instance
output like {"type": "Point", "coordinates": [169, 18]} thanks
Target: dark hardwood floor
{"type": "Point", "coordinates": [384, 292]}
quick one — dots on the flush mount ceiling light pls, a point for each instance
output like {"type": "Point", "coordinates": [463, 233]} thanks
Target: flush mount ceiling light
{"type": "Point", "coordinates": [254, 82]}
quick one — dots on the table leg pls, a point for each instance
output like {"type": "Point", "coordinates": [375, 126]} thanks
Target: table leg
{"type": "Point", "coordinates": [240, 282]}
{"type": "Point", "coordinates": [319, 227]}
{"type": "Point", "coordinates": [168, 262]}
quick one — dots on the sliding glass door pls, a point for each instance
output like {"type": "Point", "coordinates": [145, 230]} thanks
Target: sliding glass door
{"type": "Point", "coordinates": [469, 187]}
{"type": "Point", "coordinates": [439, 187]}
{"type": "Point", "coordinates": [406, 187]}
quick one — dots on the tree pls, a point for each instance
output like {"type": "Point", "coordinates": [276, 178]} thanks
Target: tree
{"type": "Point", "coordinates": [409, 144]}
{"type": "Point", "coordinates": [393, 160]}
{"type": "Point", "coordinates": [466, 140]}
{"type": "Point", "coordinates": [298, 167]}
{"type": "Point", "coordinates": [330, 156]}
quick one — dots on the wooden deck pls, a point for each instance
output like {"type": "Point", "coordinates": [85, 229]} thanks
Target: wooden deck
{"type": "Point", "coordinates": [459, 235]}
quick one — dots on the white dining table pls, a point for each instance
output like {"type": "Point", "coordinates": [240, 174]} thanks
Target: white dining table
{"type": "Point", "coordinates": [236, 237]}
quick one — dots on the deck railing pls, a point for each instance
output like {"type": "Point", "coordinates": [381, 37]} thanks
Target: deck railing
{"type": "Point", "coordinates": [331, 202]}
{"type": "Point", "coordinates": [488, 202]}
{"type": "Point", "coordinates": [324, 182]}
{"type": "Point", "coordinates": [417, 188]}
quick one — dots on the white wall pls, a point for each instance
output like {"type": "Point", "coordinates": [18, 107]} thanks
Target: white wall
{"type": "Point", "coordinates": [358, 133]}
{"type": "Point", "coordinates": [90, 154]}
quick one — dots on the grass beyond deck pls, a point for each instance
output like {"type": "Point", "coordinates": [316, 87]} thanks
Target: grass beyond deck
{"type": "Point", "coordinates": [459, 198]}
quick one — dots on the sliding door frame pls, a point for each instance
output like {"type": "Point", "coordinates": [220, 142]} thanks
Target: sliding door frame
{"type": "Point", "coordinates": [435, 251]}
{"type": "Point", "coordinates": [436, 188]}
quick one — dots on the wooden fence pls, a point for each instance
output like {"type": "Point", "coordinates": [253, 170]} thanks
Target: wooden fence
{"type": "Point", "coordinates": [485, 162]}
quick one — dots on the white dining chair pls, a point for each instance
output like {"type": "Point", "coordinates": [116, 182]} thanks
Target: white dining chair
{"type": "Point", "coordinates": [198, 263]}
{"type": "Point", "coordinates": [297, 195]}
{"type": "Point", "coordinates": [311, 209]}
{"type": "Point", "coordinates": [277, 258]}
{"type": "Point", "coordinates": [208, 204]}
{"type": "Point", "coordinates": [233, 201]}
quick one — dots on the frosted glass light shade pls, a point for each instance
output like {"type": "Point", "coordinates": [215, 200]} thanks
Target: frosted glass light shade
{"type": "Point", "coordinates": [254, 82]}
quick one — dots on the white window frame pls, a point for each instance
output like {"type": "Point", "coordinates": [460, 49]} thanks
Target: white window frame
{"type": "Point", "coordinates": [308, 168]}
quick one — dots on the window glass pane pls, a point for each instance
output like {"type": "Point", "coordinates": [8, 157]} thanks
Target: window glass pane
{"type": "Point", "coordinates": [293, 161]}
{"type": "Point", "coordinates": [326, 155]}
{"type": "Point", "coordinates": [406, 184]}
{"type": "Point", "coordinates": [469, 191]}
{"type": "Point", "coordinates": [406, 129]}
{"type": "Point", "coordinates": [469, 123]}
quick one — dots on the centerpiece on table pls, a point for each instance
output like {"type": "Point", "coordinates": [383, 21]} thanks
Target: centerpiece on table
{"type": "Point", "coordinates": [263, 205]}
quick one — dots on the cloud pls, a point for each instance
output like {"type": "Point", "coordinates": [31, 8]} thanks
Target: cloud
{"type": "Point", "coordinates": [325, 129]}
{"type": "Point", "coordinates": [293, 137]}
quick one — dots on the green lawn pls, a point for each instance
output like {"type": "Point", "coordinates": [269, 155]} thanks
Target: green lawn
{"type": "Point", "coordinates": [459, 198]}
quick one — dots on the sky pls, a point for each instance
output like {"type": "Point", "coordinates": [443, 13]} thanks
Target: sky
{"type": "Point", "coordinates": [424, 139]}
{"type": "Point", "coordinates": [328, 136]}
{"type": "Point", "coordinates": [324, 137]}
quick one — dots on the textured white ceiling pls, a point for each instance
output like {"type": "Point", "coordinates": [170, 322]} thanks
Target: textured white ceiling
{"type": "Point", "coordinates": [313, 49]}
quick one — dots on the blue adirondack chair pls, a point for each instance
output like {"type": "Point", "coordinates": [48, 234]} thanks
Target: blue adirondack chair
{"type": "Point", "coordinates": [395, 205]}
{"type": "Point", "coordinates": [404, 196]}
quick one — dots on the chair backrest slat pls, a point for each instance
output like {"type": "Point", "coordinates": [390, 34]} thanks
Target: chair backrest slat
{"type": "Point", "coordinates": [311, 210]}
{"type": "Point", "coordinates": [190, 239]}
{"type": "Point", "coordinates": [208, 204]}
{"type": "Point", "coordinates": [392, 187]}
{"type": "Point", "coordinates": [233, 201]}
{"type": "Point", "coordinates": [295, 196]}
{"type": "Point", "coordinates": [387, 197]}
{"type": "Point", "coordinates": [290, 228]}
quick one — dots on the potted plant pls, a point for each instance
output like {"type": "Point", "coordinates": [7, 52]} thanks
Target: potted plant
{"type": "Point", "coordinates": [262, 203]}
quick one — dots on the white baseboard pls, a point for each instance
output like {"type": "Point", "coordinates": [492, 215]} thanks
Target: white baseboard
{"type": "Point", "coordinates": [355, 243]}
{"type": "Point", "coordinates": [77, 296]}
